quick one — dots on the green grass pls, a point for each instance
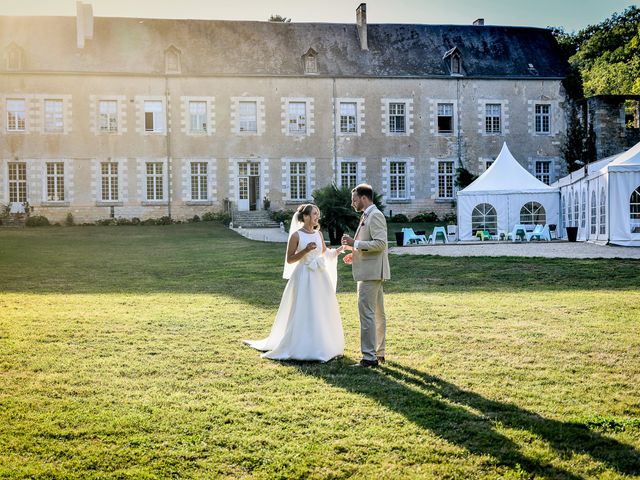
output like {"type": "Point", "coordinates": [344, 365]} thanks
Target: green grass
{"type": "Point", "coordinates": [121, 357]}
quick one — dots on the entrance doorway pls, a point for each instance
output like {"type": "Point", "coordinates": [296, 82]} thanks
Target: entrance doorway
{"type": "Point", "coordinates": [248, 186]}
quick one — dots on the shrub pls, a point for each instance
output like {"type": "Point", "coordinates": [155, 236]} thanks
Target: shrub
{"type": "Point", "coordinates": [105, 222]}
{"type": "Point", "coordinates": [194, 219]}
{"type": "Point", "coordinates": [123, 221]}
{"type": "Point", "coordinates": [399, 218]}
{"type": "Point", "coordinates": [220, 217]}
{"type": "Point", "coordinates": [450, 218]}
{"type": "Point", "coordinates": [425, 217]}
{"type": "Point", "coordinates": [37, 221]}
{"type": "Point", "coordinates": [165, 220]}
{"type": "Point", "coordinates": [69, 221]}
{"type": "Point", "coordinates": [135, 221]}
{"type": "Point", "coordinates": [283, 216]}
{"type": "Point", "coordinates": [148, 221]}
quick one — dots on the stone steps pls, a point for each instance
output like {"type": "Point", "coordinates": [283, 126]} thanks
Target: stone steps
{"type": "Point", "coordinates": [254, 219]}
{"type": "Point", "coordinates": [13, 222]}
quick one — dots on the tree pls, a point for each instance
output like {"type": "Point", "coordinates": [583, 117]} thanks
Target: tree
{"type": "Point", "coordinates": [579, 143]}
{"type": "Point", "coordinates": [279, 18]}
{"type": "Point", "coordinates": [606, 56]}
{"type": "Point", "coordinates": [338, 215]}
{"type": "Point", "coordinates": [464, 177]}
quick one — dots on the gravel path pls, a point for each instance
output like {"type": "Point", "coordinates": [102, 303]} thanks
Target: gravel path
{"type": "Point", "coordinates": [559, 249]}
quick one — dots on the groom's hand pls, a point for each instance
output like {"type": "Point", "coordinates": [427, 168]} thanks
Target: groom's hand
{"type": "Point", "coordinates": [347, 240]}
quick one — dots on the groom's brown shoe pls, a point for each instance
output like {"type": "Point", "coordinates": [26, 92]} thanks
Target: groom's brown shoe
{"type": "Point", "coordinates": [381, 360]}
{"type": "Point", "coordinates": [366, 363]}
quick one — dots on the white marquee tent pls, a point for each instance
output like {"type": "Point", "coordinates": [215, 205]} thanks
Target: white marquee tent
{"type": "Point", "coordinates": [603, 199]}
{"type": "Point", "coordinates": [503, 196]}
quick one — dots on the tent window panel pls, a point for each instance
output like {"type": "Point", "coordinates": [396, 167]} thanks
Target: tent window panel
{"type": "Point", "coordinates": [594, 212]}
{"type": "Point", "coordinates": [484, 217]}
{"type": "Point", "coordinates": [569, 212]}
{"type": "Point", "coordinates": [533, 213]}
{"type": "Point", "coordinates": [583, 209]}
{"type": "Point", "coordinates": [634, 209]}
{"type": "Point", "coordinates": [576, 208]}
{"type": "Point", "coordinates": [603, 211]}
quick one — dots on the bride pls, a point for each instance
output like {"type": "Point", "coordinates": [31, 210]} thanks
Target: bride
{"type": "Point", "coordinates": [308, 324]}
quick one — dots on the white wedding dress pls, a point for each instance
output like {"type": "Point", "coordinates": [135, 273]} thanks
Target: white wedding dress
{"type": "Point", "coordinates": [308, 324]}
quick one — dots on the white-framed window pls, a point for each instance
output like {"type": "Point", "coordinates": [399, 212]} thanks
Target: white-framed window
{"type": "Point", "coordinates": [445, 118]}
{"type": "Point", "coordinates": [348, 117]}
{"type": "Point", "coordinates": [17, 182]}
{"type": "Point", "coordinates": [197, 116]}
{"type": "Point", "coordinates": [542, 118]}
{"type": "Point", "coordinates": [445, 179]}
{"type": "Point", "coordinates": [594, 212]}
{"type": "Point", "coordinates": [397, 117]}
{"type": "Point", "coordinates": [55, 182]}
{"type": "Point", "coordinates": [16, 115]}
{"type": "Point", "coordinates": [533, 213]}
{"type": "Point", "coordinates": [108, 116]}
{"type": "Point", "coordinates": [487, 164]}
{"type": "Point", "coordinates": [298, 181]}
{"type": "Point", "coordinates": [543, 171]}
{"type": "Point", "coordinates": [398, 181]}
{"type": "Point", "coordinates": [349, 174]}
{"type": "Point", "coordinates": [493, 118]}
{"type": "Point", "coordinates": [484, 217]}
{"type": "Point", "coordinates": [297, 116]}
{"type": "Point", "coordinates": [109, 182]}
{"type": "Point", "coordinates": [153, 116]}
{"type": "Point", "coordinates": [199, 181]}
{"type": "Point", "coordinates": [603, 211]}
{"type": "Point", "coordinates": [634, 211]}
{"type": "Point", "coordinates": [248, 116]}
{"type": "Point", "coordinates": [154, 181]}
{"type": "Point", "coordinates": [53, 116]}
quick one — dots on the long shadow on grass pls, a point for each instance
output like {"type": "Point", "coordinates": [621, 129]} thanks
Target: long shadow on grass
{"type": "Point", "coordinates": [468, 420]}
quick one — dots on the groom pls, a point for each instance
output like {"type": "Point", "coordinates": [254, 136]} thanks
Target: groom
{"type": "Point", "coordinates": [370, 265]}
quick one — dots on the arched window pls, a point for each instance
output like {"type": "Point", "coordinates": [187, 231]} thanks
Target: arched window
{"type": "Point", "coordinates": [594, 212]}
{"type": "Point", "coordinates": [532, 213]}
{"type": "Point", "coordinates": [634, 210]}
{"type": "Point", "coordinates": [576, 208]}
{"type": "Point", "coordinates": [603, 211]}
{"type": "Point", "coordinates": [484, 217]}
{"type": "Point", "coordinates": [583, 209]}
{"type": "Point", "coordinates": [569, 211]}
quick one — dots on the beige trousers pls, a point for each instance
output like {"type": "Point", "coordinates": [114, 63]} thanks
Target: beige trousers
{"type": "Point", "coordinates": [373, 321]}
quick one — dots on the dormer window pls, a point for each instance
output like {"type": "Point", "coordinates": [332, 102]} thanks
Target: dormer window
{"type": "Point", "coordinates": [454, 59]}
{"type": "Point", "coordinates": [172, 60]}
{"type": "Point", "coordinates": [455, 64]}
{"type": "Point", "coordinates": [310, 61]}
{"type": "Point", "coordinates": [13, 56]}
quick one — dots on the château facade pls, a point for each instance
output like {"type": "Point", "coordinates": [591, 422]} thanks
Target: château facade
{"type": "Point", "coordinates": [146, 118]}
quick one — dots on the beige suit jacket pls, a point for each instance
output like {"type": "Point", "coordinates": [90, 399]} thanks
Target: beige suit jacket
{"type": "Point", "coordinates": [371, 261]}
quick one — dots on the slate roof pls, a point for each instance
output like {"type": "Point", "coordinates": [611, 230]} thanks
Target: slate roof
{"type": "Point", "coordinates": [130, 45]}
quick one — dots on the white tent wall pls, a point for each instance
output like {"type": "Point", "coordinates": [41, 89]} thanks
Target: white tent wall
{"type": "Point", "coordinates": [576, 209]}
{"type": "Point", "coordinates": [508, 206]}
{"type": "Point", "coordinates": [621, 186]}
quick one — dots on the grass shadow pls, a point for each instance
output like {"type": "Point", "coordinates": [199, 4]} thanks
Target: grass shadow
{"type": "Point", "coordinates": [469, 420]}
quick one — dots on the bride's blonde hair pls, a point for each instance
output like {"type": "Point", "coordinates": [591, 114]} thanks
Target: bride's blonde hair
{"type": "Point", "coordinates": [305, 209]}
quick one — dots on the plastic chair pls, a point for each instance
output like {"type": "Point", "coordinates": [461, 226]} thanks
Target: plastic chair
{"type": "Point", "coordinates": [411, 237]}
{"type": "Point", "coordinates": [484, 235]}
{"type": "Point", "coordinates": [540, 232]}
{"type": "Point", "coordinates": [438, 231]}
{"type": "Point", "coordinates": [519, 231]}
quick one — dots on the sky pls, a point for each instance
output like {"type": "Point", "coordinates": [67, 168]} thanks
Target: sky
{"type": "Point", "coordinates": [572, 15]}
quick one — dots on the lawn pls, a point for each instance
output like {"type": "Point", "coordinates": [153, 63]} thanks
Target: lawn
{"type": "Point", "coordinates": [121, 357]}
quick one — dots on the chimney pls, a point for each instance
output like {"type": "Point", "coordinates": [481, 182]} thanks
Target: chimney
{"type": "Point", "coordinates": [479, 22]}
{"type": "Point", "coordinates": [361, 20]}
{"type": "Point", "coordinates": [84, 22]}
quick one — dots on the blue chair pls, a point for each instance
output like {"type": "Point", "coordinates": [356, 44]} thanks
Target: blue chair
{"type": "Point", "coordinates": [438, 231]}
{"type": "Point", "coordinates": [410, 237]}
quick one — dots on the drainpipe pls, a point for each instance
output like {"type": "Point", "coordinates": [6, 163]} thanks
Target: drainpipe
{"type": "Point", "coordinates": [168, 144]}
{"type": "Point", "coordinates": [458, 122]}
{"type": "Point", "coordinates": [335, 139]}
